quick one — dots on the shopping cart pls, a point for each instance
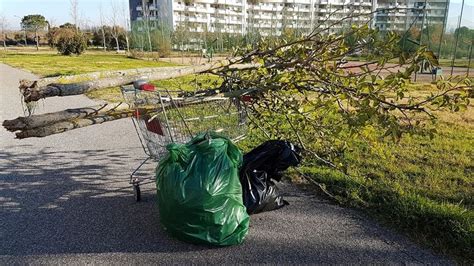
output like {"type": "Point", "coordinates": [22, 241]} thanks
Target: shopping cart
{"type": "Point", "coordinates": [168, 116]}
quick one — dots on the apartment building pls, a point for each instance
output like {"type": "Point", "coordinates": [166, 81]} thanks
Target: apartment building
{"type": "Point", "coordinates": [270, 17]}
{"type": "Point", "coordinates": [400, 15]}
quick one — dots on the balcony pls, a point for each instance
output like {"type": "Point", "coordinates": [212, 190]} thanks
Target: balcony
{"type": "Point", "coordinates": [191, 19]}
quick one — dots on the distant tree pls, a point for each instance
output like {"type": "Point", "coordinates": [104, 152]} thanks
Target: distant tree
{"type": "Point", "coordinates": [114, 21]}
{"type": "Point", "coordinates": [161, 42]}
{"type": "Point", "coordinates": [74, 12]}
{"type": "Point", "coordinates": [126, 22]}
{"type": "Point", "coordinates": [138, 37]}
{"type": "Point", "coordinates": [433, 34]}
{"type": "Point", "coordinates": [103, 36]}
{"type": "Point", "coordinates": [51, 22]}
{"type": "Point", "coordinates": [463, 31]}
{"type": "Point", "coordinates": [68, 25]}
{"type": "Point", "coordinates": [55, 33]}
{"type": "Point", "coordinates": [3, 27]}
{"type": "Point", "coordinates": [409, 40]}
{"type": "Point", "coordinates": [67, 39]}
{"type": "Point", "coordinates": [146, 22]}
{"type": "Point", "coordinates": [102, 25]}
{"type": "Point", "coordinates": [72, 44]}
{"type": "Point", "coordinates": [179, 36]}
{"type": "Point", "coordinates": [34, 23]}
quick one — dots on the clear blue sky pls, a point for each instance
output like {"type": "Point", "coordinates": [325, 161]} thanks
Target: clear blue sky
{"type": "Point", "coordinates": [58, 10]}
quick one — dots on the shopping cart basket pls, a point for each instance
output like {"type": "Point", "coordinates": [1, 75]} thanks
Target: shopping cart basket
{"type": "Point", "coordinates": [163, 116]}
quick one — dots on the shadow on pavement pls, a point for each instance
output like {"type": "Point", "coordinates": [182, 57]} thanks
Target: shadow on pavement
{"type": "Point", "coordinates": [71, 202]}
{"type": "Point", "coordinates": [76, 202]}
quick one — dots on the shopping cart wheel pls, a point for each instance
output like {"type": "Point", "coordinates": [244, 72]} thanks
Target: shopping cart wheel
{"type": "Point", "coordinates": [136, 192]}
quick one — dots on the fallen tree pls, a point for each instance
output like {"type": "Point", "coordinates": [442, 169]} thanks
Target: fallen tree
{"type": "Point", "coordinates": [93, 76]}
{"type": "Point", "coordinates": [303, 81]}
{"type": "Point", "coordinates": [34, 90]}
{"type": "Point", "coordinates": [63, 126]}
{"type": "Point", "coordinates": [35, 121]}
{"type": "Point", "coordinates": [43, 125]}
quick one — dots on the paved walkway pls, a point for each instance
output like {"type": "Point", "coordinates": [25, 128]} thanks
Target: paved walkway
{"type": "Point", "coordinates": [65, 199]}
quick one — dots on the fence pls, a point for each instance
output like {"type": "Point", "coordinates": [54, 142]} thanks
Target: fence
{"type": "Point", "coordinates": [425, 23]}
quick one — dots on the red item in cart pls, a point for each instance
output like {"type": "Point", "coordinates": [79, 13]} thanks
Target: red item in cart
{"type": "Point", "coordinates": [246, 98]}
{"type": "Point", "coordinates": [147, 87]}
{"type": "Point", "coordinates": [154, 126]}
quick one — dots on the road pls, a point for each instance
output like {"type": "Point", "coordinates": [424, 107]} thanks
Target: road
{"type": "Point", "coordinates": [65, 199]}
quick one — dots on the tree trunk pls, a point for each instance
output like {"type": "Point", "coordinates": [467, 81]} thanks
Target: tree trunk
{"type": "Point", "coordinates": [32, 92]}
{"type": "Point", "coordinates": [117, 44]}
{"type": "Point", "coordinates": [92, 76]}
{"type": "Point", "coordinates": [73, 124]}
{"type": "Point", "coordinates": [103, 38]}
{"type": "Point", "coordinates": [35, 121]}
{"type": "Point", "coordinates": [36, 39]}
{"type": "Point", "coordinates": [54, 123]}
{"type": "Point", "coordinates": [149, 36]}
{"type": "Point", "coordinates": [127, 41]}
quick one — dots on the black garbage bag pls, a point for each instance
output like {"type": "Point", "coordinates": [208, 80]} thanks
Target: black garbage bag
{"type": "Point", "coordinates": [260, 166]}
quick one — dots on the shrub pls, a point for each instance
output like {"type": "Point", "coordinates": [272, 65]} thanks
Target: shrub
{"type": "Point", "coordinates": [67, 40]}
{"type": "Point", "coordinates": [68, 44]}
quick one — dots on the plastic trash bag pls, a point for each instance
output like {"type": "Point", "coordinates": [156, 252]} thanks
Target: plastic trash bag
{"type": "Point", "coordinates": [262, 164]}
{"type": "Point", "coordinates": [199, 193]}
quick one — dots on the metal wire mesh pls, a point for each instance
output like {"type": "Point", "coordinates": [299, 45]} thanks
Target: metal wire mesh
{"type": "Point", "coordinates": [164, 117]}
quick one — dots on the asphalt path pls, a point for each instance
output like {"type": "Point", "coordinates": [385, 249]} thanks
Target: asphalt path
{"type": "Point", "coordinates": [65, 199]}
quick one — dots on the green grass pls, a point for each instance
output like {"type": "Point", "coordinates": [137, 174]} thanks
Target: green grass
{"type": "Point", "coordinates": [189, 82]}
{"type": "Point", "coordinates": [457, 62]}
{"type": "Point", "coordinates": [421, 186]}
{"type": "Point", "coordinates": [50, 64]}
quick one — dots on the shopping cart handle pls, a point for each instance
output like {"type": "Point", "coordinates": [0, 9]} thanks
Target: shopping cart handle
{"type": "Point", "coordinates": [143, 85]}
{"type": "Point", "coordinates": [139, 82]}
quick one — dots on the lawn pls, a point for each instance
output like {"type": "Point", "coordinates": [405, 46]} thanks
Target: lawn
{"type": "Point", "coordinates": [49, 64]}
{"type": "Point", "coordinates": [423, 187]}
{"type": "Point", "coordinates": [420, 186]}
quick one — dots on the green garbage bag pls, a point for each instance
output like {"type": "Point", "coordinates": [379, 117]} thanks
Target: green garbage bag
{"type": "Point", "coordinates": [199, 192]}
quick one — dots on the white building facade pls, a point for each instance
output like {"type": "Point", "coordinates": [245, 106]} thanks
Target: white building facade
{"type": "Point", "coordinates": [268, 17]}
{"type": "Point", "coordinates": [400, 15]}
{"type": "Point", "coordinates": [271, 17]}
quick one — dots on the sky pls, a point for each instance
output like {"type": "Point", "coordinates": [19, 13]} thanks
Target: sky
{"type": "Point", "coordinates": [58, 11]}
{"type": "Point", "coordinates": [455, 10]}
